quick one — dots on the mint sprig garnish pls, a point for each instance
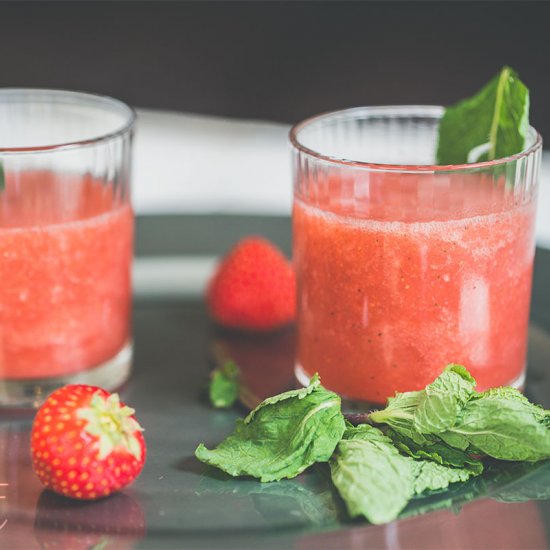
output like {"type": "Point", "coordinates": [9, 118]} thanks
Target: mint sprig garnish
{"type": "Point", "coordinates": [423, 440]}
{"type": "Point", "coordinates": [2, 178]}
{"type": "Point", "coordinates": [489, 125]}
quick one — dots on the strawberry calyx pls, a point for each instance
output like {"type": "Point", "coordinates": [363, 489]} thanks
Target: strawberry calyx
{"type": "Point", "coordinates": [112, 424]}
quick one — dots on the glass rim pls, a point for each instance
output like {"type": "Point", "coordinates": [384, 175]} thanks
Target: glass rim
{"type": "Point", "coordinates": [426, 110]}
{"type": "Point", "coordinates": [126, 126]}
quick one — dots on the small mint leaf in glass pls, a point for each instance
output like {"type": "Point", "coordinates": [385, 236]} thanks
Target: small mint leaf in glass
{"type": "Point", "coordinates": [489, 125]}
{"type": "Point", "coordinates": [225, 385]}
{"type": "Point", "coordinates": [281, 437]}
{"type": "Point", "coordinates": [2, 177]}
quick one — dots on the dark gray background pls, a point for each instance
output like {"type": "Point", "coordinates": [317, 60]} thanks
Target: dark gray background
{"type": "Point", "coordinates": [276, 60]}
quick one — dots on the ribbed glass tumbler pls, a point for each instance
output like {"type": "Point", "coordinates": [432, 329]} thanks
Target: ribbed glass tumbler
{"type": "Point", "coordinates": [405, 266]}
{"type": "Point", "coordinates": [66, 231]}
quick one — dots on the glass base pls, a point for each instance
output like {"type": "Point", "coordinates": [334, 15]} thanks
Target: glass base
{"type": "Point", "coordinates": [30, 393]}
{"type": "Point", "coordinates": [519, 382]}
{"type": "Point", "coordinates": [348, 405]}
{"type": "Point", "coordinates": [353, 405]}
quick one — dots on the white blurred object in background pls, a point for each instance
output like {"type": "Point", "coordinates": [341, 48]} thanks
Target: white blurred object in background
{"type": "Point", "coordinates": [199, 164]}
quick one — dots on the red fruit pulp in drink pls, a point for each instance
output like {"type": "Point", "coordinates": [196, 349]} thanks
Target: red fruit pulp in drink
{"type": "Point", "coordinates": [65, 258]}
{"type": "Point", "coordinates": [384, 305]}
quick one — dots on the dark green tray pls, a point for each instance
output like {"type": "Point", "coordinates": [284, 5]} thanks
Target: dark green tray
{"type": "Point", "coordinates": [179, 503]}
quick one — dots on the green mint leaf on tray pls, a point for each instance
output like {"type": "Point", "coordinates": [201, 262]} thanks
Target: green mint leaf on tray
{"type": "Point", "coordinates": [505, 426]}
{"type": "Point", "coordinates": [437, 451]}
{"type": "Point", "coordinates": [371, 476]}
{"type": "Point", "coordinates": [492, 124]}
{"type": "Point", "coordinates": [430, 476]}
{"type": "Point", "coordinates": [225, 385]}
{"type": "Point", "coordinates": [282, 436]}
{"type": "Point", "coordinates": [431, 410]}
{"type": "Point", "coordinates": [442, 400]}
{"type": "Point", "coordinates": [376, 481]}
{"type": "Point", "coordinates": [448, 414]}
{"type": "Point", "coordinates": [423, 442]}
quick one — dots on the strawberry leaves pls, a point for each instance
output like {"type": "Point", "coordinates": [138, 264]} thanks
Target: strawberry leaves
{"type": "Point", "coordinates": [113, 425]}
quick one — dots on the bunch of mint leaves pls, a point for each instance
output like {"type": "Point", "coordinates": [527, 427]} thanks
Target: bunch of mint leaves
{"type": "Point", "coordinates": [423, 441]}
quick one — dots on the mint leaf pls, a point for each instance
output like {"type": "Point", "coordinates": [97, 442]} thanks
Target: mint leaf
{"type": "Point", "coordinates": [2, 177]}
{"type": "Point", "coordinates": [431, 410]}
{"type": "Point", "coordinates": [491, 124]}
{"type": "Point", "coordinates": [300, 393]}
{"type": "Point", "coordinates": [430, 476]}
{"type": "Point", "coordinates": [225, 385]}
{"type": "Point", "coordinates": [500, 423]}
{"type": "Point", "coordinates": [505, 426]}
{"type": "Point", "coordinates": [282, 436]}
{"type": "Point", "coordinates": [371, 476]}
{"type": "Point", "coordinates": [442, 400]}
{"type": "Point", "coordinates": [399, 415]}
{"type": "Point", "coordinates": [376, 481]}
{"type": "Point", "coordinates": [436, 451]}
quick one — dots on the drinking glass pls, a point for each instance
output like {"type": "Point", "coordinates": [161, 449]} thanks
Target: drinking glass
{"type": "Point", "coordinates": [66, 231]}
{"type": "Point", "coordinates": [404, 266]}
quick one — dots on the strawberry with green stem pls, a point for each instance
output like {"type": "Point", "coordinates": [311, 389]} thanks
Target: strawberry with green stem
{"type": "Point", "coordinates": [86, 443]}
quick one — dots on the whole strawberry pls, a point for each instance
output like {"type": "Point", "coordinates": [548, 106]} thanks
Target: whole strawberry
{"type": "Point", "coordinates": [85, 443]}
{"type": "Point", "coordinates": [254, 287]}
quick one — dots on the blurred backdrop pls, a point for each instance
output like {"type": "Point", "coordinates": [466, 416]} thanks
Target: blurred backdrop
{"type": "Point", "coordinates": [279, 61]}
{"type": "Point", "coordinates": [217, 85]}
